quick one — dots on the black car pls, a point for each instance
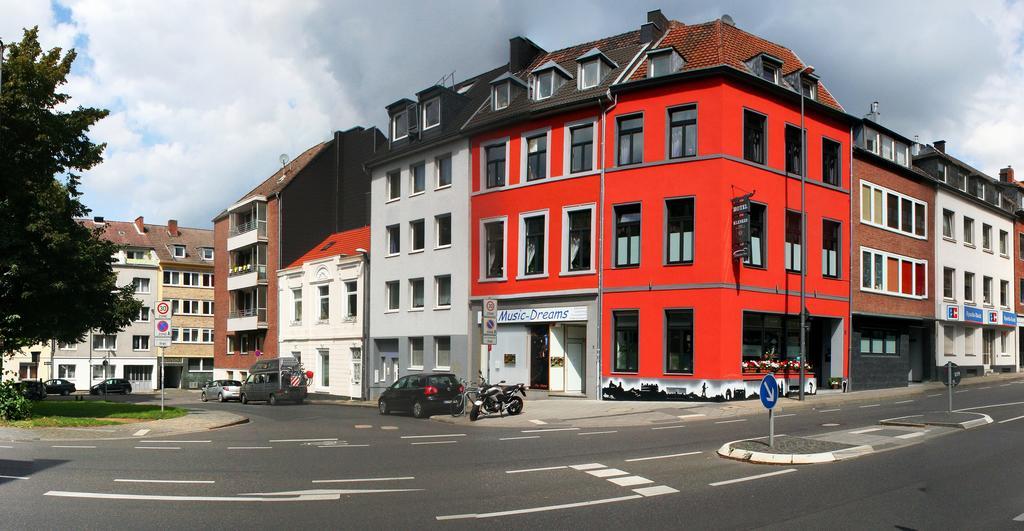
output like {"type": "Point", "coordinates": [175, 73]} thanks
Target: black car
{"type": "Point", "coordinates": [59, 387]}
{"type": "Point", "coordinates": [421, 394]}
{"type": "Point", "coordinates": [32, 389]}
{"type": "Point", "coordinates": [112, 385]}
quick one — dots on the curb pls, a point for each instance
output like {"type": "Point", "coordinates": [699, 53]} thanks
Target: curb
{"type": "Point", "coordinates": [339, 403]}
{"type": "Point", "coordinates": [243, 420]}
{"type": "Point", "coordinates": [750, 456]}
{"type": "Point", "coordinates": [966, 425]}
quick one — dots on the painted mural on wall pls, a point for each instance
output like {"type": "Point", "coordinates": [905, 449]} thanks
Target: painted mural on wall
{"type": "Point", "coordinates": [695, 390]}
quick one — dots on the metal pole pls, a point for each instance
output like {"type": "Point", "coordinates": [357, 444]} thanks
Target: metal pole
{"type": "Point", "coordinates": [771, 428]}
{"type": "Point", "coordinates": [161, 382]}
{"type": "Point", "coordinates": [1, 94]}
{"type": "Point", "coordinates": [949, 385]}
{"type": "Point", "coordinates": [803, 238]}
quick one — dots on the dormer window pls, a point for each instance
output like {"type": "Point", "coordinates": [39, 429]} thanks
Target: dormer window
{"type": "Point", "coordinates": [663, 62]}
{"type": "Point", "coordinates": [770, 72]}
{"type": "Point", "coordinates": [500, 95]}
{"type": "Point", "coordinates": [400, 125]}
{"type": "Point", "coordinates": [206, 253]}
{"type": "Point", "coordinates": [590, 74]}
{"type": "Point", "coordinates": [809, 89]}
{"type": "Point", "coordinates": [544, 85]}
{"type": "Point", "coordinates": [178, 250]}
{"type": "Point", "coordinates": [431, 113]}
{"type": "Point", "coordinates": [591, 68]}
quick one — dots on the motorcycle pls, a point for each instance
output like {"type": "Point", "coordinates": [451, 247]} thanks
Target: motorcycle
{"type": "Point", "coordinates": [498, 399]}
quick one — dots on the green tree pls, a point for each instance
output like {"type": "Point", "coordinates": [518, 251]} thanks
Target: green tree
{"type": "Point", "coordinates": [56, 279]}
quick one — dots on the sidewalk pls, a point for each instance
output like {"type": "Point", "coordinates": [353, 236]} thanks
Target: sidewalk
{"type": "Point", "coordinates": [195, 421]}
{"type": "Point", "coordinates": [564, 412]}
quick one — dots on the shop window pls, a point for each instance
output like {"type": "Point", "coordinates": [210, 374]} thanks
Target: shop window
{"type": "Point", "coordinates": [679, 231]}
{"type": "Point", "coordinates": [682, 132]}
{"type": "Point", "coordinates": [879, 342]}
{"type": "Point", "coordinates": [679, 341]}
{"type": "Point", "coordinates": [758, 235]}
{"type": "Point", "coordinates": [969, 349]}
{"type": "Point", "coordinates": [627, 235]}
{"type": "Point", "coordinates": [770, 337]}
{"type": "Point", "coordinates": [627, 338]}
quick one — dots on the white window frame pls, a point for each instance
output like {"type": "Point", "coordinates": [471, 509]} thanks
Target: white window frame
{"type": "Point", "coordinates": [143, 314]}
{"type": "Point", "coordinates": [414, 366]}
{"type": "Point", "coordinates": [539, 79]}
{"type": "Point", "coordinates": [105, 348]}
{"type": "Point", "coordinates": [412, 240]}
{"type": "Point", "coordinates": [483, 249]}
{"type": "Point", "coordinates": [952, 285]}
{"type": "Point", "coordinates": [524, 153]}
{"type": "Point", "coordinates": [203, 251]}
{"type": "Point", "coordinates": [139, 282]}
{"type": "Point", "coordinates": [567, 147]}
{"type": "Point", "coordinates": [394, 125]}
{"type": "Point", "coordinates": [437, 292]}
{"type": "Point", "coordinates": [437, 366]}
{"type": "Point", "coordinates": [497, 89]}
{"type": "Point", "coordinates": [952, 225]}
{"type": "Point", "coordinates": [1004, 243]}
{"type": "Point", "coordinates": [675, 61]}
{"type": "Point", "coordinates": [320, 297]}
{"type": "Point", "coordinates": [872, 187]}
{"type": "Point", "coordinates": [178, 251]}
{"type": "Point", "coordinates": [412, 178]}
{"type": "Point", "coordinates": [393, 185]}
{"type": "Point", "coordinates": [521, 271]}
{"type": "Point", "coordinates": [581, 68]}
{"type": "Point", "coordinates": [987, 281]}
{"type": "Point", "coordinates": [389, 287]}
{"type": "Point", "coordinates": [1009, 294]}
{"type": "Point", "coordinates": [435, 101]}
{"type": "Point", "coordinates": [388, 237]}
{"type": "Point", "coordinates": [437, 171]}
{"type": "Point", "coordinates": [297, 305]}
{"type": "Point", "coordinates": [592, 207]}
{"type": "Point", "coordinates": [989, 248]}
{"type": "Point", "coordinates": [412, 294]}
{"type": "Point", "coordinates": [896, 292]}
{"type": "Point", "coordinates": [437, 231]}
{"type": "Point", "coordinates": [350, 312]}
{"type": "Point", "coordinates": [134, 347]}
{"type": "Point", "coordinates": [968, 235]}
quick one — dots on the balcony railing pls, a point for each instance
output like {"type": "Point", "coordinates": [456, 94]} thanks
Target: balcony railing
{"type": "Point", "coordinates": [242, 228]}
{"type": "Point", "coordinates": [259, 313]}
{"type": "Point", "coordinates": [244, 269]}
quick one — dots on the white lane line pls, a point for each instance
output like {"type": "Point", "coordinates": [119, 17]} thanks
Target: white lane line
{"type": "Point", "coordinates": [519, 438]}
{"type": "Point", "coordinates": [964, 391]}
{"type": "Point", "coordinates": [655, 491]}
{"type": "Point", "coordinates": [607, 472]}
{"type": "Point", "coordinates": [596, 432]}
{"type": "Point", "coordinates": [173, 442]}
{"type": "Point", "coordinates": [903, 402]}
{"type": "Point", "coordinates": [550, 429]}
{"type": "Point", "coordinates": [730, 421]}
{"type": "Point", "coordinates": [868, 430]}
{"type": "Point", "coordinates": [539, 509]}
{"type": "Point", "coordinates": [934, 395]}
{"type": "Point", "coordinates": [912, 435]}
{"type": "Point", "coordinates": [433, 436]}
{"type": "Point", "coordinates": [12, 477]}
{"type": "Point", "coordinates": [140, 433]}
{"type": "Point", "coordinates": [751, 478]}
{"type": "Point", "coordinates": [1019, 518]}
{"type": "Point", "coordinates": [72, 446]}
{"type": "Point", "coordinates": [1005, 385]}
{"type": "Point", "coordinates": [903, 417]}
{"type": "Point", "coordinates": [1011, 420]}
{"type": "Point", "coordinates": [669, 427]}
{"type": "Point", "coordinates": [361, 480]}
{"type": "Point", "coordinates": [354, 445]}
{"type": "Point", "coordinates": [363, 426]}
{"type": "Point", "coordinates": [786, 415]}
{"type": "Point", "coordinates": [987, 387]}
{"type": "Point", "coordinates": [660, 457]}
{"type": "Point", "coordinates": [541, 469]}
{"type": "Point", "coordinates": [184, 481]}
{"type": "Point", "coordinates": [277, 497]}
{"type": "Point", "coordinates": [6, 447]}
{"type": "Point", "coordinates": [389, 427]}
{"type": "Point", "coordinates": [433, 442]}
{"type": "Point", "coordinates": [587, 466]}
{"type": "Point", "coordinates": [629, 481]}
{"type": "Point", "coordinates": [249, 447]}
{"type": "Point", "coordinates": [303, 440]}
{"type": "Point", "coordinates": [692, 415]}
{"type": "Point", "coordinates": [870, 405]}
{"type": "Point", "coordinates": [158, 448]}
{"type": "Point", "coordinates": [829, 410]}
{"type": "Point", "coordinates": [538, 422]}
{"type": "Point", "coordinates": [990, 405]}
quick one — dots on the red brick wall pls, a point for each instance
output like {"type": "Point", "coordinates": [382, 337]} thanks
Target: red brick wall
{"type": "Point", "coordinates": [221, 302]}
{"type": "Point", "coordinates": [273, 264]}
{"type": "Point", "coordinates": [897, 243]}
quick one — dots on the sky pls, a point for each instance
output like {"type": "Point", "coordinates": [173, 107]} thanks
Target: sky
{"type": "Point", "coordinates": [205, 96]}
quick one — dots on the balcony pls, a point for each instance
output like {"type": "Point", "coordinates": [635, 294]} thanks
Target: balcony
{"type": "Point", "coordinates": [246, 276]}
{"type": "Point", "coordinates": [247, 233]}
{"type": "Point", "coordinates": [247, 319]}
{"type": "Point", "coordinates": [142, 261]}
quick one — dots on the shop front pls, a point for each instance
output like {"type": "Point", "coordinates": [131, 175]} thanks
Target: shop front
{"type": "Point", "coordinates": [980, 340]}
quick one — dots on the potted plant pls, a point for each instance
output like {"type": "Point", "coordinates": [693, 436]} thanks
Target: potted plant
{"type": "Point", "coordinates": [835, 383]}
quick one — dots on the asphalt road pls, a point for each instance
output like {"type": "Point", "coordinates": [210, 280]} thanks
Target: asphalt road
{"type": "Point", "coordinates": [321, 466]}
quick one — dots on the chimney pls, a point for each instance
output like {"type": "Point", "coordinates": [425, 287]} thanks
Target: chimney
{"type": "Point", "coordinates": [915, 150]}
{"type": "Point", "coordinates": [140, 225]}
{"type": "Point", "coordinates": [172, 227]}
{"type": "Point", "coordinates": [940, 146]}
{"type": "Point", "coordinates": [654, 28]}
{"type": "Point", "coordinates": [521, 52]}
{"type": "Point", "coordinates": [873, 114]}
{"type": "Point", "coordinates": [1006, 174]}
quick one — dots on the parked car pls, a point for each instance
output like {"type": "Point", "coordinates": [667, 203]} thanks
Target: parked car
{"type": "Point", "coordinates": [273, 381]}
{"type": "Point", "coordinates": [112, 385]}
{"type": "Point", "coordinates": [59, 386]}
{"type": "Point", "coordinates": [221, 390]}
{"type": "Point", "coordinates": [32, 389]}
{"type": "Point", "coordinates": [421, 394]}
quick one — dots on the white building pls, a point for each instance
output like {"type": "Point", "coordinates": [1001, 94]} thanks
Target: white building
{"type": "Point", "coordinates": [322, 311]}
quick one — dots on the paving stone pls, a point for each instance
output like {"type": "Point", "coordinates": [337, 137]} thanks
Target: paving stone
{"type": "Point", "coordinates": [791, 445]}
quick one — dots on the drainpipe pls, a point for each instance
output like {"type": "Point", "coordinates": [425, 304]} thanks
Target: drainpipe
{"type": "Point", "coordinates": [849, 277]}
{"type": "Point", "coordinates": [600, 241]}
{"type": "Point", "coordinates": [365, 387]}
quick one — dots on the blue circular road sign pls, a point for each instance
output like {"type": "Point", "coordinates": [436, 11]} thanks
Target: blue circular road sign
{"type": "Point", "coordinates": [768, 391]}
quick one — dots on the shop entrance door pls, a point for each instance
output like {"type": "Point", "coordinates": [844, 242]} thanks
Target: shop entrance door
{"type": "Point", "coordinates": [538, 336]}
{"type": "Point", "coordinates": [574, 366]}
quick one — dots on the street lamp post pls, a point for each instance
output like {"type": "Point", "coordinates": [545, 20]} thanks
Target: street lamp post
{"type": "Point", "coordinates": [364, 386]}
{"type": "Point", "coordinates": [803, 231]}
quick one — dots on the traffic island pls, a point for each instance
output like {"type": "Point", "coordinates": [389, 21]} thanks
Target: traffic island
{"type": "Point", "coordinates": [791, 451]}
{"type": "Point", "coordinates": [963, 420]}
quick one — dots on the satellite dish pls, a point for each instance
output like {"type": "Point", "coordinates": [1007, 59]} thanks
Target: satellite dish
{"type": "Point", "coordinates": [283, 158]}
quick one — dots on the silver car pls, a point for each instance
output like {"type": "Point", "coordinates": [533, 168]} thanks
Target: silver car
{"type": "Point", "coordinates": [222, 390]}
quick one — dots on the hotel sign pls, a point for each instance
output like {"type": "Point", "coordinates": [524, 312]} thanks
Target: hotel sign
{"type": "Point", "coordinates": [741, 227]}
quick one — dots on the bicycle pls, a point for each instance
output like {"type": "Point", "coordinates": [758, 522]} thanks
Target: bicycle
{"type": "Point", "coordinates": [467, 396]}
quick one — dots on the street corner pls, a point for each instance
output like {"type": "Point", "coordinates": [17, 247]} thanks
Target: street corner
{"type": "Point", "coordinates": [791, 451]}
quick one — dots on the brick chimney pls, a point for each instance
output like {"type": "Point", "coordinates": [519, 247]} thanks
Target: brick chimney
{"type": "Point", "coordinates": [654, 28]}
{"type": "Point", "coordinates": [940, 146]}
{"type": "Point", "coordinates": [172, 227]}
{"type": "Point", "coordinates": [1006, 174]}
{"type": "Point", "coordinates": [140, 225]}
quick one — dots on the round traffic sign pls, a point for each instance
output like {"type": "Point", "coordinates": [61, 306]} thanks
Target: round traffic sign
{"type": "Point", "coordinates": [162, 308]}
{"type": "Point", "coordinates": [490, 305]}
{"type": "Point", "coordinates": [162, 326]}
{"type": "Point", "coordinates": [953, 378]}
{"type": "Point", "coordinates": [768, 391]}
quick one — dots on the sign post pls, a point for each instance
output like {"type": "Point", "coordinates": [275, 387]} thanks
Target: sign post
{"type": "Point", "coordinates": [769, 394]}
{"type": "Point", "coordinates": [162, 335]}
{"type": "Point", "coordinates": [952, 380]}
{"type": "Point", "coordinates": [489, 330]}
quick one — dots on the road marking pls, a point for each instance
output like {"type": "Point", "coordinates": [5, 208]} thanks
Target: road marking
{"type": "Point", "coordinates": [692, 415]}
{"type": "Point", "coordinates": [903, 417]}
{"type": "Point", "coordinates": [596, 432]}
{"type": "Point", "coordinates": [829, 425]}
{"type": "Point", "coordinates": [870, 405]}
{"type": "Point", "coordinates": [140, 433]}
{"type": "Point", "coordinates": [669, 427]}
{"type": "Point", "coordinates": [72, 446]}
{"type": "Point", "coordinates": [987, 387]}
{"type": "Point", "coordinates": [730, 421]}
{"type": "Point", "coordinates": [935, 395]}
{"type": "Point", "coordinates": [912, 435]}
{"type": "Point", "coordinates": [363, 426]}
{"type": "Point", "coordinates": [629, 481]}
{"type": "Point", "coordinates": [903, 402]}
{"type": "Point", "coordinates": [433, 436]}
{"type": "Point", "coordinates": [538, 422]}
{"type": "Point", "coordinates": [992, 405]}
{"type": "Point", "coordinates": [868, 430]}
{"type": "Point", "coordinates": [751, 478]}
{"type": "Point", "coordinates": [352, 445]}
{"type": "Point", "coordinates": [539, 509]}
{"type": "Point", "coordinates": [158, 448]}
{"type": "Point", "coordinates": [519, 438]}
{"type": "Point", "coordinates": [294, 496]}
{"type": "Point", "coordinates": [1005, 385]}
{"type": "Point", "coordinates": [435, 442]}
{"type": "Point", "coordinates": [607, 472]}
{"type": "Point", "coordinates": [361, 480]}
{"type": "Point", "coordinates": [176, 442]}
{"type": "Point", "coordinates": [550, 429]}
{"type": "Point", "coordinates": [389, 427]}
{"type": "Point", "coordinates": [6, 447]}
{"type": "Point", "coordinates": [1011, 420]}
{"type": "Point", "coordinates": [542, 469]}
{"type": "Point", "coordinates": [660, 457]}
{"type": "Point", "coordinates": [186, 481]}
{"type": "Point", "coordinates": [587, 466]}
{"type": "Point", "coordinates": [786, 415]}
{"type": "Point", "coordinates": [655, 491]}
{"type": "Point", "coordinates": [829, 410]}
{"type": "Point", "coordinates": [964, 391]}
{"type": "Point", "coordinates": [1019, 518]}
{"type": "Point", "coordinates": [12, 477]}
{"type": "Point", "coordinates": [249, 447]}
{"type": "Point", "coordinates": [303, 440]}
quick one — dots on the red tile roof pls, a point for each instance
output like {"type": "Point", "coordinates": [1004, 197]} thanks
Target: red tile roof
{"type": "Point", "coordinates": [338, 244]}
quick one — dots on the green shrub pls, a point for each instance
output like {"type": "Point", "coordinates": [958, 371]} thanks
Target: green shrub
{"type": "Point", "coordinates": [13, 406]}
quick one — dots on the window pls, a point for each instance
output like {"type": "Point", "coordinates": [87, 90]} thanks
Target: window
{"type": "Point", "coordinates": [892, 274]}
{"type": "Point", "coordinates": [443, 291]}
{"type": "Point", "coordinates": [206, 253]}
{"type": "Point", "coordinates": [104, 342]}
{"type": "Point", "coordinates": [416, 234]}
{"type": "Point", "coordinates": [536, 157]}
{"type": "Point", "coordinates": [534, 229]}
{"type": "Point", "coordinates": [627, 235]}
{"type": "Point", "coordinates": [418, 178]}
{"type": "Point", "coordinates": [793, 243]}
{"type": "Point", "coordinates": [141, 285]}
{"type": "Point", "coordinates": [394, 237]}
{"type": "Point", "coordinates": [590, 73]}
{"type": "Point", "coordinates": [986, 290]}
{"type": "Point", "coordinates": [351, 299]}
{"type": "Point", "coordinates": [682, 132]}
{"type": "Point", "coordinates": [679, 341]}
{"type": "Point", "coordinates": [947, 224]}
{"type": "Point", "coordinates": [968, 231]}
{"type": "Point", "coordinates": [770, 335]}
{"type": "Point", "coordinates": [297, 305]}
{"type": "Point", "coordinates": [494, 257]}
{"type": "Point", "coordinates": [948, 283]}
{"type": "Point", "coordinates": [66, 371]}
{"type": "Point", "coordinates": [988, 337]}
{"type": "Point", "coordinates": [416, 293]}
{"type": "Point", "coordinates": [969, 341]}
{"type": "Point", "coordinates": [986, 237]}
{"type": "Point", "coordinates": [770, 72]}
{"type": "Point", "coordinates": [879, 342]}
{"type": "Point", "coordinates": [830, 250]}
{"type": "Point", "coordinates": [392, 293]}
{"type": "Point", "coordinates": [443, 165]}
{"type": "Point", "coordinates": [193, 335]}
{"type": "Point", "coordinates": [144, 314]}
{"type": "Point", "coordinates": [544, 85]}
{"type": "Point", "coordinates": [442, 352]}
{"type": "Point", "coordinates": [794, 150]}
{"type": "Point", "coordinates": [67, 346]}
{"type": "Point", "coordinates": [754, 136]}
{"type": "Point", "coordinates": [1004, 243]}
{"type": "Point", "coordinates": [1003, 337]}
{"type": "Point", "coordinates": [758, 235]}
{"type": "Point", "coordinates": [495, 165]}
{"type": "Point", "coordinates": [415, 352]}
{"type": "Point", "coordinates": [627, 340]}
{"type": "Point", "coordinates": [1020, 290]}
{"type": "Point", "coordinates": [179, 251]}
{"type": "Point", "coordinates": [581, 151]}
{"type": "Point", "coordinates": [500, 95]}
{"type": "Point", "coordinates": [871, 140]}
{"type": "Point", "coordinates": [431, 114]}
{"type": "Point", "coordinates": [679, 231]}
{"type": "Point", "coordinates": [579, 239]}
{"type": "Point", "coordinates": [325, 367]}
{"type": "Point", "coordinates": [400, 125]}
{"type": "Point", "coordinates": [1004, 293]}
{"type": "Point", "coordinates": [831, 165]}
{"type": "Point", "coordinates": [140, 343]}
{"type": "Point", "coordinates": [324, 293]}
{"type": "Point", "coordinates": [443, 230]}
{"type": "Point", "coordinates": [663, 62]}
{"type": "Point", "coordinates": [948, 340]}
{"type": "Point", "coordinates": [136, 255]}
{"type": "Point", "coordinates": [968, 287]}
{"type": "Point", "coordinates": [631, 140]}
{"type": "Point", "coordinates": [394, 185]}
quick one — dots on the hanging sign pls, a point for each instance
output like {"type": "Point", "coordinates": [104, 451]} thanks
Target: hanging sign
{"type": "Point", "coordinates": [741, 227]}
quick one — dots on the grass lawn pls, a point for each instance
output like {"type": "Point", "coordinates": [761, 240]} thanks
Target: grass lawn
{"type": "Point", "coordinates": [66, 413]}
